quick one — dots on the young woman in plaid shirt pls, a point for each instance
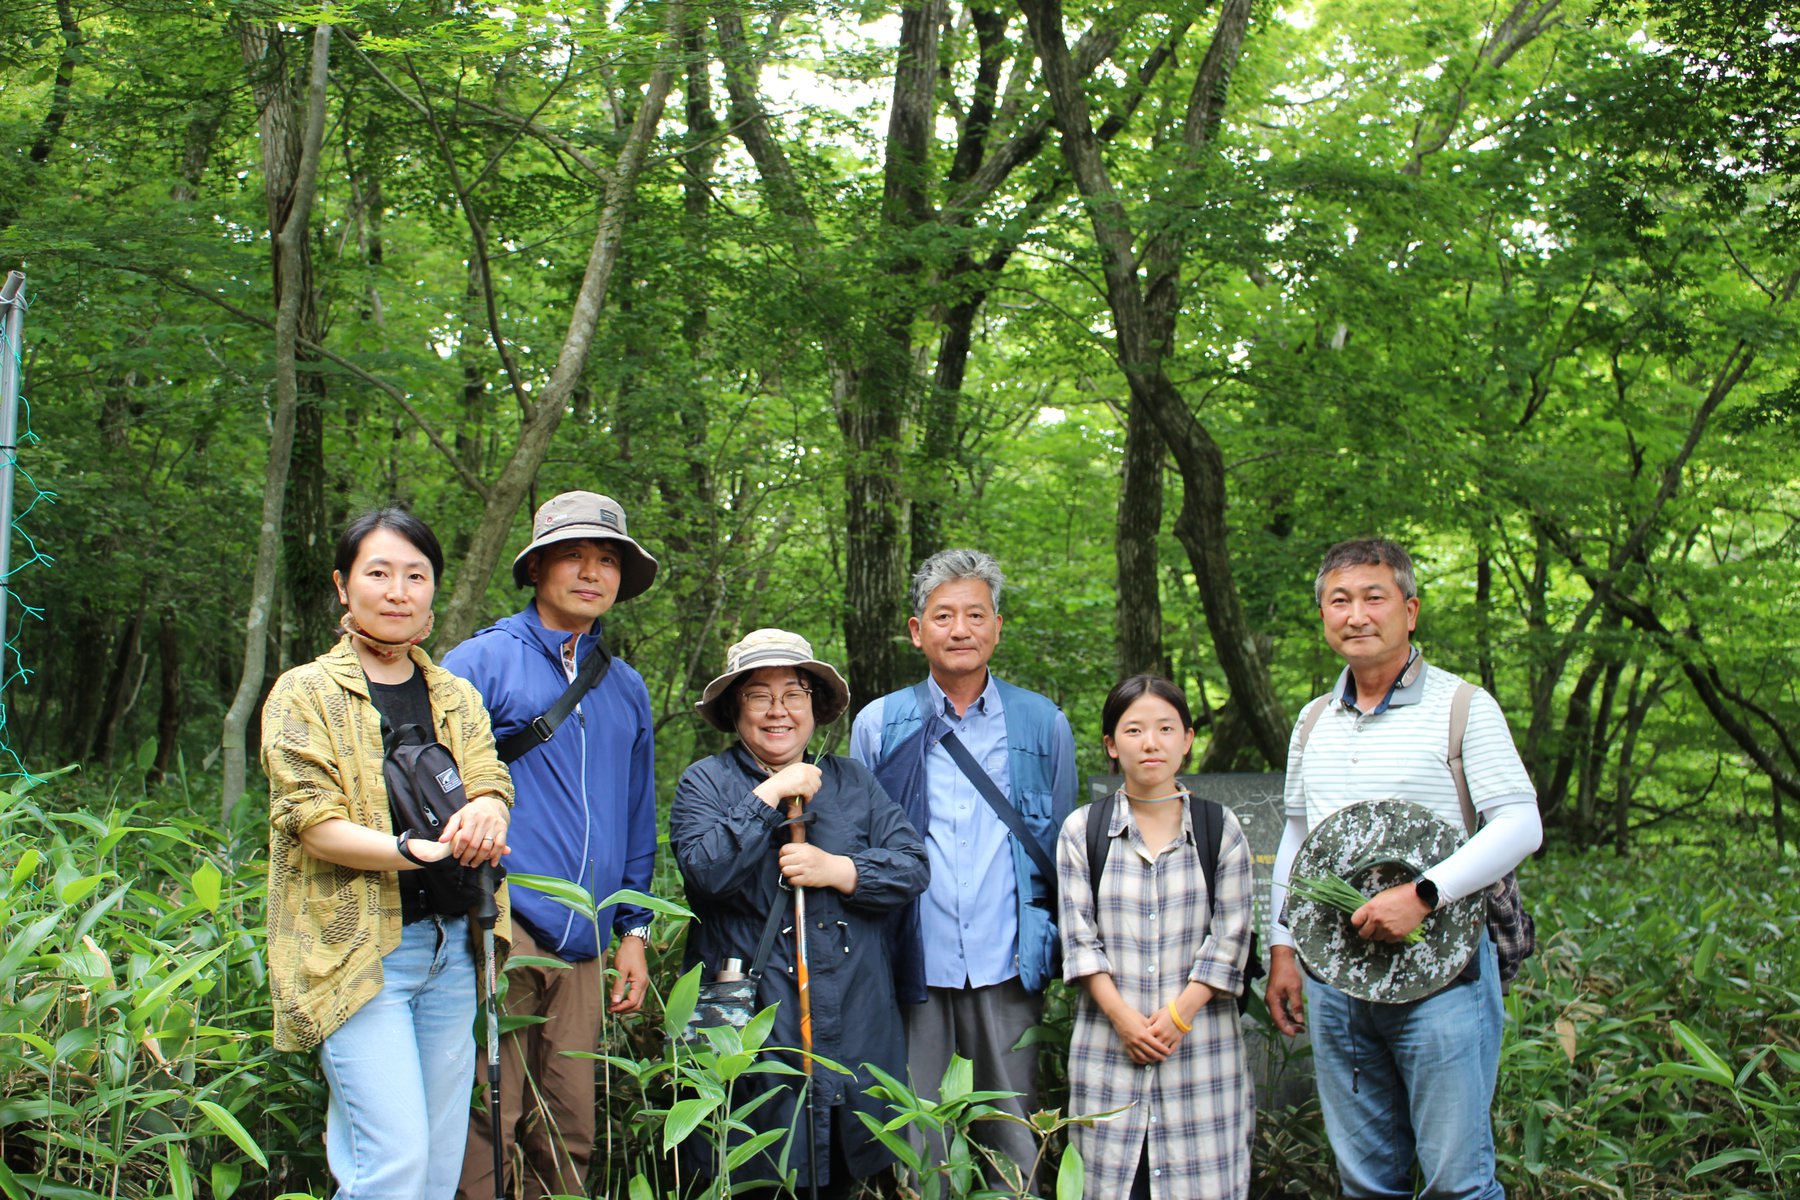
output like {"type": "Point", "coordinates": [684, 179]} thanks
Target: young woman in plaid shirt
{"type": "Point", "coordinates": [1160, 964]}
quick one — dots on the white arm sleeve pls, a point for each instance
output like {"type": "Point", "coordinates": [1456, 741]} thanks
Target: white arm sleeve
{"type": "Point", "coordinates": [1292, 834]}
{"type": "Point", "coordinates": [1513, 830]}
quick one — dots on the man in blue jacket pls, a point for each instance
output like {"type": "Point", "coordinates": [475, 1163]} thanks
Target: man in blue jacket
{"type": "Point", "coordinates": [586, 812]}
{"type": "Point", "coordinates": [982, 942]}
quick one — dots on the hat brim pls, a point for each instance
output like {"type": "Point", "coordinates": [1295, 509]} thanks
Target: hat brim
{"type": "Point", "coordinates": [637, 569]}
{"type": "Point", "coordinates": [1375, 844]}
{"type": "Point", "coordinates": [711, 704]}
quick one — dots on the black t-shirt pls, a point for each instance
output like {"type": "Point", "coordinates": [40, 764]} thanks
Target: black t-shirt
{"type": "Point", "coordinates": [402, 704]}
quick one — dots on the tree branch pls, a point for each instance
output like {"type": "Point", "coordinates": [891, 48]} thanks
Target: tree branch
{"type": "Point", "coordinates": [468, 478]}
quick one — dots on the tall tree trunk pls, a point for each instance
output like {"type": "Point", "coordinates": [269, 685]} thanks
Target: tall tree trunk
{"type": "Point", "coordinates": [306, 535]}
{"type": "Point", "coordinates": [475, 373]}
{"type": "Point", "coordinates": [690, 491]}
{"type": "Point", "coordinates": [519, 474]}
{"type": "Point", "coordinates": [875, 408]}
{"type": "Point", "coordinates": [291, 245]}
{"type": "Point", "coordinates": [118, 684]}
{"type": "Point", "coordinates": [1144, 307]}
{"type": "Point", "coordinates": [1139, 615]}
{"type": "Point", "coordinates": [1484, 622]}
{"type": "Point", "coordinates": [168, 712]}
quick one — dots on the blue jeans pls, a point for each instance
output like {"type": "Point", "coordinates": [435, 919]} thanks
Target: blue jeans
{"type": "Point", "coordinates": [1399, 1081]}
{"type": "Point", "coordinates": [400, 1070]}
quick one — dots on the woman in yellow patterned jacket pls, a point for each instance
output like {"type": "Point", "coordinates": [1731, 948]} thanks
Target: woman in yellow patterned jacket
{"type": "Point", "coordinates": [360, 964]}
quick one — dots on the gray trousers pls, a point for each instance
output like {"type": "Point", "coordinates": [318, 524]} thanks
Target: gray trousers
{"type": "Point", "coordinates": [982, 1024]}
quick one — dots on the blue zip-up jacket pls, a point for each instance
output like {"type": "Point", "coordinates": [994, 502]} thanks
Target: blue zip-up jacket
{"type": "Point", "coordinates": [1034, 728]}
{"type": "Point", "coordinates": [586, 799]}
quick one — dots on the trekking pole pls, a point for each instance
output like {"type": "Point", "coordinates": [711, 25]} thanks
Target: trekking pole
{"type": "Point", "coordinates": [486, 914]}
{"type": "Point", "coordinates": [798, 833]}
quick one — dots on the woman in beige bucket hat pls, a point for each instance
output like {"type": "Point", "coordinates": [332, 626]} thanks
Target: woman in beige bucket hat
{"type": "Point", "coordinates": [861, 862]}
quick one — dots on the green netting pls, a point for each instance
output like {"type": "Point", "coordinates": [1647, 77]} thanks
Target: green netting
{"type": "Point", "coordinates": [27, 495]}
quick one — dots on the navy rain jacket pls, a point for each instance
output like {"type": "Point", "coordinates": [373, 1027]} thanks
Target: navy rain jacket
{"type": "Point", "coordinates": [726, 840]}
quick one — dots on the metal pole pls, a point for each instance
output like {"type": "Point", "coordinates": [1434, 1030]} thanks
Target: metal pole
{"type": "Point", "coordinates": [486, 914]}
{"type": "Point", "coordinates": [12, 329]}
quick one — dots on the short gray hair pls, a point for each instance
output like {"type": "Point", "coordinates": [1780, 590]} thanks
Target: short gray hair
{"type": "Point", "coordinates": [1368, 552]}
{"type": "Point", "coordinates": [948, 566]}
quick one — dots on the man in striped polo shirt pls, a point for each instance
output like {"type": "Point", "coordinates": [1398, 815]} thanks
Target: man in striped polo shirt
{"type": "Point", "coordinates": [1415, 1081]}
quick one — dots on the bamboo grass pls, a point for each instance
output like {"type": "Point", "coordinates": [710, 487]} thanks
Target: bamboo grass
{"type": "Point", "coordinates": [1338, 893]}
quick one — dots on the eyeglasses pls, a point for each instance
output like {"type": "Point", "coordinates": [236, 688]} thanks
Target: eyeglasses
{"type": "Point", "coordinates": [792, 700]}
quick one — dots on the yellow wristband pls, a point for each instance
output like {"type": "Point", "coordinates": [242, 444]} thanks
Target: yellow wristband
{"type": "Point", "coordinates": [1175, 1016]}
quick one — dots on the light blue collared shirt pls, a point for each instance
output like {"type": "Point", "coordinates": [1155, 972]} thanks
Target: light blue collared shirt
{"type": "Point", "coordinates": [970, 914]}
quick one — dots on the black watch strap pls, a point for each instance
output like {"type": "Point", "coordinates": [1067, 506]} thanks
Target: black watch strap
{"type": "Point", "coordinates": [406, 851]}
{"type": "Point", "coordinates": [1426, 891]}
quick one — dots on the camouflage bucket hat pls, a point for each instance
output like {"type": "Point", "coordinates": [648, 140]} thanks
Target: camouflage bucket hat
{"type": "Point", "coordinates": [1376, 845]}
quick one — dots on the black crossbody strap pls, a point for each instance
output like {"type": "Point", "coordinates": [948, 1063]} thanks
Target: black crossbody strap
{"type": "Point", "coordinates": [771, 927]}
{"type": "Point", "coordinates": [1003, 808]}
{"type": "Point", "coordinates": [540, 729]}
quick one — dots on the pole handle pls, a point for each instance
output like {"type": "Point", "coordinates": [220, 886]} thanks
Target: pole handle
{"type": "Point", "coordinates": [487, 911]}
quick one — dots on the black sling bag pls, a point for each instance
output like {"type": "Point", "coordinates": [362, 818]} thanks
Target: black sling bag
{"type": "Point", "coordinates": [426, 790]}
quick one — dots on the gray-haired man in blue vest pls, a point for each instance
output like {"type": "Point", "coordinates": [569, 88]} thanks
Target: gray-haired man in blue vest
{"type": "Point", "coordinates": [979, 946]}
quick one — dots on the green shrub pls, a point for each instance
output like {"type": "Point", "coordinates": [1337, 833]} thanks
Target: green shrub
{"type": "Point", "coordinates": [135, 1042]}
{"type": "Point", "coordinates": [1653, 1044]}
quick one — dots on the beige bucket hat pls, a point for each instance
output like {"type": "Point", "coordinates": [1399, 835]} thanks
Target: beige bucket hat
{"type": "Point", "coordinates": [774, 648]}
{"type": "Point", "coordinates": [589, 515]}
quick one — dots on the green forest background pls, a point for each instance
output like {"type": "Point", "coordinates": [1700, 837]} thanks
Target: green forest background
{"type": "Point", "coordinates": [1153, 301]}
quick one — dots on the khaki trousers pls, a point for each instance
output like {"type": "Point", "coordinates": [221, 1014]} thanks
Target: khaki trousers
{"type": "Point", "coordinates": [547, 1100]}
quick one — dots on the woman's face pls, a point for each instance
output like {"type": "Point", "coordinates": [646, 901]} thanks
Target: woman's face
{"type": "Point", "coordinates": [1150, 744]}
{"type": "Point", "coordinates": [775, 715]}
{"type": "Point", "coordinates": [389, 588]}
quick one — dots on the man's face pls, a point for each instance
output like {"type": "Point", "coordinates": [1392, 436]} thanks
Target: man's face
{"type": "Point", "coordinates": [1367, 621]}
{"type": "Point", "coordinates": [959, 630]}
{"type": "Point", "coordinates": [576, 583]}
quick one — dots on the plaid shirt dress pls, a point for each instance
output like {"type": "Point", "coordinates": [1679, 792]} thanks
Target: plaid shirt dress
{"type": "Point", "coordinates": [1156, 931]}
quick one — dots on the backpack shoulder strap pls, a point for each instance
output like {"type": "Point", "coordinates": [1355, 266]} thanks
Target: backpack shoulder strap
{"type": "Point", "coordinates": [1308, 719]}
{"type": "Point", "coordinates": [1099, 820]}
{"type": "Point", "coordinates": [1209, 833]}
{"type": "Point", "coordinates": [1459, 725]}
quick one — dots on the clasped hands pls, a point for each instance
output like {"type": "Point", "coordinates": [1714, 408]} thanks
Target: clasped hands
{"type": "Point", "coordinates": [1151, 1039]}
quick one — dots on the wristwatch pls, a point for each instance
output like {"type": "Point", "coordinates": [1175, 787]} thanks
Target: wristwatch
{"type": "Point", "coordinates": [1426, 891]}
{"type": "Point", "coordinates": [641, 932]}
{"type": "Point", "coordinates": [406, 851]}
